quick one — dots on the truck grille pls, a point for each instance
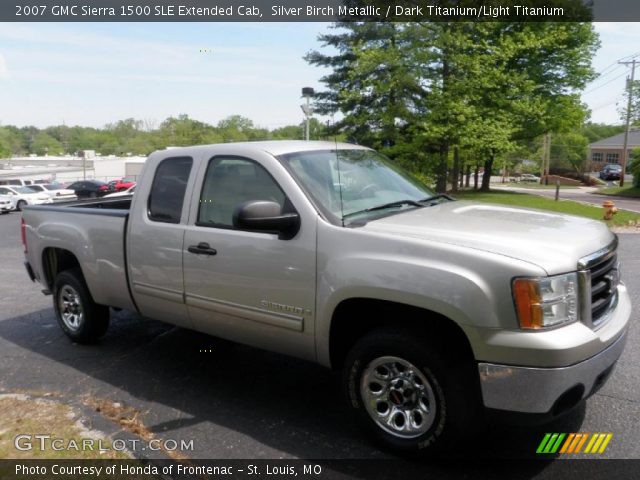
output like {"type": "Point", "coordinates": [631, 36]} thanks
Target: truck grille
{"type": "Point", "coordinates": [604, 287]}
{"type": "Point", "coordinates": [600, 280]}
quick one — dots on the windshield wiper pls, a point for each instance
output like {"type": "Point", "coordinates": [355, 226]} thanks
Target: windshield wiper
{"type": "Point", "coordinates": [436, 197]}
{"type": "Point", "coordinates": [397, 203]}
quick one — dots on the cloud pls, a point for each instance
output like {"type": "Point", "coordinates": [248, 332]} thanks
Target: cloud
{"type": "Point", "coordinates": [4, 71]}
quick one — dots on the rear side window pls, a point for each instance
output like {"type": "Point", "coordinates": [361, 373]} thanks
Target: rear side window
{"type": "Point", "coordinates": [168, 189]}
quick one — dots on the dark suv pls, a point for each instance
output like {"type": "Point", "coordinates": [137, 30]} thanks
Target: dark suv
{"type": "Point", "coordinates": [611, 172]}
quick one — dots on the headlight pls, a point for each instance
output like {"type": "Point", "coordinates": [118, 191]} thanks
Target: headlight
{"type": "Point", "coordinates": [546, 302]}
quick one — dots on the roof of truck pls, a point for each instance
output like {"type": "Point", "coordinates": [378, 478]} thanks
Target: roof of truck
{"type": "Point", "coordinates": [274, 147]}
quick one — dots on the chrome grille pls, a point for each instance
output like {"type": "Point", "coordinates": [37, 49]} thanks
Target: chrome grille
{"type": "Point", "coordinates": [600, 279]}
{"type": "Point", "coordinates": [604, 287]}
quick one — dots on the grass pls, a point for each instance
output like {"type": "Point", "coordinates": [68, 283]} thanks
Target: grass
{"type": "Point", "coordinates": [535, 185]}
{"type": "Point", "coordinates": [21, 415]}
{"type": "Point", "coordinates": [633, 192]}
{"type": "Point", "coordinates": [622, 218]}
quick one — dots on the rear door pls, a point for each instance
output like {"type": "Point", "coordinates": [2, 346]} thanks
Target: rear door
{"type": "Point", "coordinates": [256, 289]}
{"type": "Point", "coordinates": [155, 239]}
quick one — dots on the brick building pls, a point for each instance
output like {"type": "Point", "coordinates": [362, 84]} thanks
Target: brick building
{"type": "Point", "coordinates": [609, 150]}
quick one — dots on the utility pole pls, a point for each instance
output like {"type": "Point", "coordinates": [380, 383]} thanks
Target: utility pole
{"type": "Point", "coordinates": [543, 158]}
{"type": "Point", "coordinates": [548, 157]}
{"type": "Point", "coordinates": [628, 122]}
{"type": "Point", "coordinates": [307, 92]}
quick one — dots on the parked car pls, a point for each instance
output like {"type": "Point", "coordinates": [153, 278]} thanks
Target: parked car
{"type": "Point", "coordinates": [7, 203]}
{"type": "Point", "coordinates": [56, 191]}
{"type": "Point", "coordinates": [120, 184]}
{"type": "Point", "coordinates": [433, 309]}
{"type": "Point", "coordinates": [20, 182]}
{"type": "Point", "coordinates": [24, 196]}
{"type": "Point", "coordinates": [611, 172]}
{"type": "Point", "coordinates": [528, 177]}
{"type": "Point", "coordinates": [89, 188]}
{"type": "Point", "coordinates": [128, 191]}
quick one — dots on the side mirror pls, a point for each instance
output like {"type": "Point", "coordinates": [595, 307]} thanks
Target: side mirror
{"type": "Point", "coordinates": [266, 216]}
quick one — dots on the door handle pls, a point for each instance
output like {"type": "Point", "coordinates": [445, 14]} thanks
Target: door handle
{"type": "Point", "coordinates": [202, 248]}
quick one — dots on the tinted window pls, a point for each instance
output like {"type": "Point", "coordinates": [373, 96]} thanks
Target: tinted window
{"type": "Point", "coordinates": [230, 182]}
{"type": "Point", "coordinates": [168, 189]}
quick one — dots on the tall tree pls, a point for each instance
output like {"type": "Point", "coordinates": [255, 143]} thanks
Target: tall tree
{"type": "Point", "coordinates": [373, 84]}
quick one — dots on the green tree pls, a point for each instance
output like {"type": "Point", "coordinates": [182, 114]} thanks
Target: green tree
{"type": "Point", "coordinates": [45, 144]}
{"type": "Point", "coordinates": [427, 90]}
{"type": "Point", "coordinates": [569, 151]}
{"type": "Point", "coordinates": [635, 167]}
{"type": "Point", "coordinates": [373, 83]}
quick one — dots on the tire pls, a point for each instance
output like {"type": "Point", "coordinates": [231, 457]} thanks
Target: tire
{"type": "Point", "coordinates": [411, 395]}
{"type": "Point", "coordinates": [20, 205]}
{"type": "Point", "coordinates": [4, 212]}
{"type": "Point", "coordinates": [80, 318]}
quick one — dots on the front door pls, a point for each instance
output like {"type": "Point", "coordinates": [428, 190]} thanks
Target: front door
{"type": "Point", "coordinates": [246, 286]}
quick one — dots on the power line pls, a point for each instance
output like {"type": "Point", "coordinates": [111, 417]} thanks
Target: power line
{"type": "Point", "coordinates": [617, 64]}
{"type": "Point", "coordinates": [616, 100]}
{"type": "Point", "coordinates": [606, 83]}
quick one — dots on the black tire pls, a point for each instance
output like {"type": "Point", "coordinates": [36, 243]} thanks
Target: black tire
{"type": "Point", "coordinates": [454, 401]}
{"type": "Point", "coordinates": [20, 205]}
{"type": "Point", "coordinates": [4, 212]}
{"type": "Point", "coordinates": [83, 320]}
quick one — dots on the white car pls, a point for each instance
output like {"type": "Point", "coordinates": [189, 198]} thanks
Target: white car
{"type": "Point", "coordinates": [128, 191]}
{"type": "Point", "coordinates": [24, 196]}
{"type": "Point", "coordinates": [56, 191]}
{"type": "Point", "coordinates": [6, 204]}
{"type": "Point", "coordinates": [528, 177]}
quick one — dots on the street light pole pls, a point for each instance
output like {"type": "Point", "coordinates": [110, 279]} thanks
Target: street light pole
{"type": "Point", "coordinates": [307, 92]}
{"type": "Point", "coordinates": [628, 120]}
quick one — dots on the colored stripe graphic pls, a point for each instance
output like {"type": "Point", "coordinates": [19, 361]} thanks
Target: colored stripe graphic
{"type": "Point", "coordinates": [573, 443]}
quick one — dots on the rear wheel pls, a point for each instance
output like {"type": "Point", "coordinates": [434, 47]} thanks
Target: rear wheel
{"type": "Point", "coordinates": [20, 205]}
{"type": "Point", "coordinates": [80, 318]}
{"type": "Point", "coordinates": [409, 393]}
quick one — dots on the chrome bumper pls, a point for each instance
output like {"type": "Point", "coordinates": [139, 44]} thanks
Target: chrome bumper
{"type": "Point", "coordinates": [536, 390]}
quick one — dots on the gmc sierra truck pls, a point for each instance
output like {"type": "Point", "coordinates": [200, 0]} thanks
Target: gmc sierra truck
{"type": "Point", "coordinates": [436, 311]}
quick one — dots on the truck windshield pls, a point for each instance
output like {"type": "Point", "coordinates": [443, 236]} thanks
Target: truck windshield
{"type": "Point", "coordinates": [355, 183]}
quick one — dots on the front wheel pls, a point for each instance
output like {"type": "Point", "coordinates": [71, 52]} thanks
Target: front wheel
{"type": "Point", "coordinates": [410, 394]}
{"type": "Point", "coordinates": [80, 318]}
{"type": "Point", "coordinates": [20, 205]}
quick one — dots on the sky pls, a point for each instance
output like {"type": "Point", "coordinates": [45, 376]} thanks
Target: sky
{"type": "Point", "coordinates": [92, 74]}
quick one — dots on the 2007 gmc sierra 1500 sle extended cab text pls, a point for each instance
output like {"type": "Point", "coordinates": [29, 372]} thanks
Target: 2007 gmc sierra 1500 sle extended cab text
{"type": "Point", "coordinates": [435, 310]}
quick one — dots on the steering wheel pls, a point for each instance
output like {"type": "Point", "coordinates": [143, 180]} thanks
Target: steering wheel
{"type": "Point", "coordinates": [368, 190]}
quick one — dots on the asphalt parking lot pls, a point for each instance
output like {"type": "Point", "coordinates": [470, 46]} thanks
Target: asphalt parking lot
{"type": "Point", "coordinates": [236, 402]}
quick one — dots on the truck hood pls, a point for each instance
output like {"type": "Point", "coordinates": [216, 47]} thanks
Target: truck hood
{"type": "Point", "coordinates": [554, 242]}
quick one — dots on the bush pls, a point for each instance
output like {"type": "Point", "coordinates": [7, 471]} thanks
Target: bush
{"type": "Point", "coordinates": [634, 167]}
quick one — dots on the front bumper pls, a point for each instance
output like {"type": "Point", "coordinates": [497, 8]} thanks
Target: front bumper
{"type": "Point", "coordinates": [546, 390]}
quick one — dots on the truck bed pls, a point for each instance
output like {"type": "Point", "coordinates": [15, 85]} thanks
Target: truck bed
{"type": "Point", "coordinates": [93, 231]}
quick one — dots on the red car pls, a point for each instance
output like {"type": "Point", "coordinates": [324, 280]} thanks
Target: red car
{"type": "Point", "coordinates": [120, 184]}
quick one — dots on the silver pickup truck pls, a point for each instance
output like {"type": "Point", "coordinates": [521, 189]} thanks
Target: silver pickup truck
{"type": "Point", "coordinates": [436, 311]}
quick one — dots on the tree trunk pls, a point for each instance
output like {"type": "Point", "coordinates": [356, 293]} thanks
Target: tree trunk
{"type": "Point", "coordinates": [455, 171]}
{"type": "Point", "coordinates": [476, 172]}
{"type": "Point", "coordinates": [486, 178]}
{"type": "Point", "coordinates": [468, 176]}
{"type": "Point", "coordinates": [441, 182]}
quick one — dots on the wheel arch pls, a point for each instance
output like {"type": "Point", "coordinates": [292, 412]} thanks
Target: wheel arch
{"type": "Point", "coordinates": [355, 317]}
{"type": "Point", "coordinates": [56, 260]}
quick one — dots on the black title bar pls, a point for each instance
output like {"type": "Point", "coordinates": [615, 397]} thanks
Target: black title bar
{"type": "Point", "coordinates": [316, 10]}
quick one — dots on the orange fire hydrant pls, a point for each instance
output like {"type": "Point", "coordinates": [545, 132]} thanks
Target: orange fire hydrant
{"type": "Point", "coordinates": [609, 209]}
